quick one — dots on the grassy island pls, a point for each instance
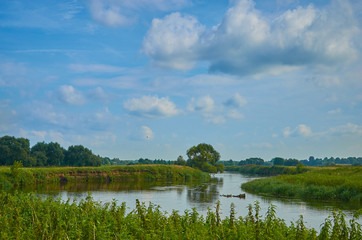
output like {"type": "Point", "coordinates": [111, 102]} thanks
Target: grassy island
{"type": "Point", "coordinates": [18, 176]}
{"type": "Point", "coordinates": [337, 183]}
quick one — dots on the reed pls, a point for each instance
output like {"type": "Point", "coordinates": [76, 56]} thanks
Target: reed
{"type": "Point", "coordinates": [26, 216]}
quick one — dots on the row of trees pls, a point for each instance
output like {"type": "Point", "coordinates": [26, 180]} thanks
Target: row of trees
{"type": "Point", "coordinates": [44, 154]}
{"type": "Point", "coordinates": [294, 162]}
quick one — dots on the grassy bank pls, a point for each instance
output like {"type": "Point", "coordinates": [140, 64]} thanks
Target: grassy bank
{"type": "Point", "coordinates": [25, 216]}
{"type": "Point", "coordinates": [12, 176]}
{"type": "Point", "coordinates": [266, 170]}
{"type": "Point", "coordinates": [343, 183]}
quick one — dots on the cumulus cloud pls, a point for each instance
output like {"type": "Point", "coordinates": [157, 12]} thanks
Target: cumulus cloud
{"type": "Point", "coordinates": [300, 130]}
{"type": "Point", "coordinates": [120, 12]}
{"type": "Point", "coordinates": [147, 133]}
{"type": "Point", "coordinates": [235, 101]}
{"type": "Point", "coordinates": [247, 42]}
{"type": "Point", "coordinates": [142, 133]}
{"type": "Point", "coordinates": [174, 37]}
{"type": "Point", "coordinates": [151, 106]}
{"type": "Point", "coordinates": [68, 94]}
{"type": "Point", "coordinates": [203, 104]}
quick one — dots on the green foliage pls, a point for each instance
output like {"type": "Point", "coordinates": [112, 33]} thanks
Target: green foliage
{"type": "Point", "coordinates": [13, 149]}
{"type": "Point", "coordinates": [204, 157]}
{"type": "Point", "coordinates": [26, 216]}
{"type": "Point", "coordinates": [342, 183]}
{"type": "Point", "coordinates": [81, 156]}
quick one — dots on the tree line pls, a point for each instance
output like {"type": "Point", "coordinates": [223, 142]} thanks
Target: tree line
{"type": "Point", "coordinates": [311, 161]}
{"type": "Point", "coordinates": [44, 154]}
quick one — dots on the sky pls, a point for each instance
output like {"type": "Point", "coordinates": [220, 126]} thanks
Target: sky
{"type": "Point", "coordinates": [152, 78]}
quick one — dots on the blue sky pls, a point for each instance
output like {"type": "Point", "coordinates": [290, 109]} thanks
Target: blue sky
{"type": "Point", "coordinates": [151, 78]}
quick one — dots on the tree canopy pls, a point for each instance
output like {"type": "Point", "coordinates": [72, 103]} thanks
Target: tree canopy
{"type": "Point", "coordinates": [204, 157]}
{"type": "Point", "coordinates": [44, 154]}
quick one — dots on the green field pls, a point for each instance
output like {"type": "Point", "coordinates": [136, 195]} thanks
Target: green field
{"type": "Point", "coordinates": [338, 183]}
{"type": "Point", "coordinates": [26, 216]}
{"type": "Point", "coordinates": [13, 176]}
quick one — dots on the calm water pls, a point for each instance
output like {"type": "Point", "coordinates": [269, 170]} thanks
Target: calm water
{"type": "Point", "coordinates": [200, 196]}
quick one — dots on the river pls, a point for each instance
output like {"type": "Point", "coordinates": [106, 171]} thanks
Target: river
{"type": "Point", "coordinates": [170, 196]}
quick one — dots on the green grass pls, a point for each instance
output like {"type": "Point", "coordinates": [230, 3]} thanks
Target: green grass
{"type": "Point", "coordinates": [26, 216]}
{"type": "Point", "coordinates": [24, 176]}
{"type": "Point", "coordinates": [342, 183]}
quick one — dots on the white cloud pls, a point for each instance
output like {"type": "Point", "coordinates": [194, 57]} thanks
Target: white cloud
{"type": "Point", "coordinates": [119, 12]}
{"type": "Point", "coordinates": [203, 104]}
{"type": "Point", "coordinates": [68, 94]}
{"type": "Point", "coordinates": [170, 41]}
{"type": "Point", "coordinates": [94, 68]}
{"type": "Point", "coordinates": [98, 93]}
{"type": "Point", "coordinates": [300, 130]}
{"type": "Point", "coordinates": [247, 42]}
{"type": "Point", "coordinates": [347, 129]}
{"type": "Point", "coordinates": [151, 106]}
{"type": "Point", "coordinates": [45, 112]}
{"type": "Point", "coordinates": [142, 133]}
{"type": "Point", "coordinates": [235, 101]}
{"type": "Point", "coordinates": [147, 133]}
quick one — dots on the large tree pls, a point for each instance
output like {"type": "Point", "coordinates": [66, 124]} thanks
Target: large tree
{"type": "Point", "coordinates": [13, 149]}
{"type": "Point", "coordinates": [204, 157]}
{"type": "Point", "coordinates": [81, 156]}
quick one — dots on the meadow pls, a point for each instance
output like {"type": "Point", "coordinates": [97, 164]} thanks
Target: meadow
{"type": "Point", "coordinates": [27, 216]}
{"type": "Point", "coordinates": [337, 183]}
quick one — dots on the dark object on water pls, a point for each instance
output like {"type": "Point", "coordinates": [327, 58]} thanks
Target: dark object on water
{"type": "Point", "coordinates": [229, 195]}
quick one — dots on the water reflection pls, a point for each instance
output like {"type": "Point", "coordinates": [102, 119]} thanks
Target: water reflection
{"type": "Point", "coordinates": [183, 196]}
{"type": "Point", "coordinates": [206, 192]}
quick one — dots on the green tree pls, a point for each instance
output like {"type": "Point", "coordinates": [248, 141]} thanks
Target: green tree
{"type": "Point", "coordinates": [81, 156]}
{"type": "Point", "coordinates": [55, 154]}
{"type": "Point", "coordinates": [180, 161]}
{"type": "Point", "coordinates": [278, 161]}
{"type": "Point", "coordinates": [204, 157]}
{"type": "Point", "coordinates": [13, 149]}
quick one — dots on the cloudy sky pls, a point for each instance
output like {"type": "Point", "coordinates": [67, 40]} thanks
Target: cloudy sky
{"type": "Point", "coordinates": [151, 78]}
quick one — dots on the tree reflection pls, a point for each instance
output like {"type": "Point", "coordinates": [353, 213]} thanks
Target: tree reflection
{"type": "Point", "coordinates": [206, 192]}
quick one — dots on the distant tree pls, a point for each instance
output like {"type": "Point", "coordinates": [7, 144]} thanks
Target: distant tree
{"type": "Point", "coordinates": [55, 154]}
{"type": "Point", "coordinates": [278, 161]}
{"type": "Point", "coordinates": [204, 157]}
{"type": "Point", "coordinates": [255, 161]}
{"type": "Point", "coordinates": [80, 156]}
{"type": "Point", "coordinates": [180, 161]}
{"type": "Point", "coordinates": [291, 162]}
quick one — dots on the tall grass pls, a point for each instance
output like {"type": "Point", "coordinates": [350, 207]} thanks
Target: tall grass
{"type": "Point", "coordinates": [26, 216]}
{"type": "Point", "coordinates": [343, 184]}
{"type": "Point", "coordinates": [10, 177]}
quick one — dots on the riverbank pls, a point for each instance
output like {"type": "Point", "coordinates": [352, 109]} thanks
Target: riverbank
{"type": "Point", "coordinates": [337, 184]}
{"type": "Point", "coordinates": [26, 216]}
{"type": "Point", "coordinates": [11, 176]}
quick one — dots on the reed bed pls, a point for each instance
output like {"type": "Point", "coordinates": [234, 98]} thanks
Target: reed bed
{"type": "Point", "coordinates": [27, 216]}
